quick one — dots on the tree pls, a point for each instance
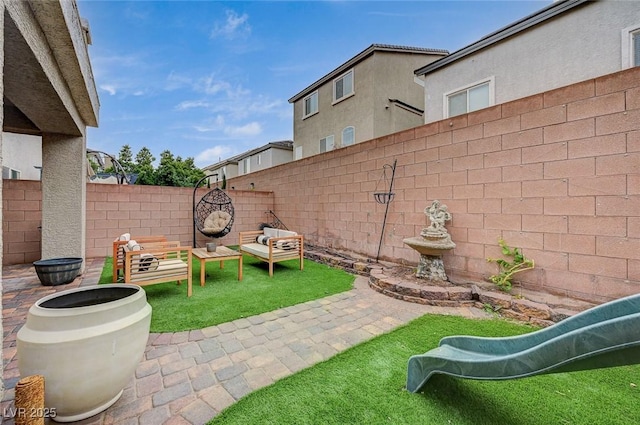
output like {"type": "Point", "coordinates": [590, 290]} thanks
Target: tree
{"type": "Point", "coordinates": [170, 172]}
{"type": "Point", "coordinates": [176, 171]}
{"type": "Point", "coordinates": [166, 174]}
{"type": "Point", "coordinates": [125, 158]}
{"type": "Point", "coordinates": [144, 167]}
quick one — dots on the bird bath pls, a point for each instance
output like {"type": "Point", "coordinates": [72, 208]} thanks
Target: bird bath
{"type": "Point", "coordinates": [432, 243]}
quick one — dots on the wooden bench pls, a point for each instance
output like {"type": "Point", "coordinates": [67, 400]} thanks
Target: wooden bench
{"type": "Point", "coordinates": [275, 245]}
{"type": "Point", "coordinates": [118, 250]}
{"type": "Point", "coordinates": [158, 262]}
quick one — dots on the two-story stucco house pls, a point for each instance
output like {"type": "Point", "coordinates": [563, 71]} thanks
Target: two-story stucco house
{"type": "Point", "coordinates": [265, 156]}
{"type": "Point", "coordinates": [370, 95]}
{"type": "Point", "coordinates": [566, 42]}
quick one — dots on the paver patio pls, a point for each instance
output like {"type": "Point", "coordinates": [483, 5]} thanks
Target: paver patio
{"type": "Point", "coordinates": [188, 377]}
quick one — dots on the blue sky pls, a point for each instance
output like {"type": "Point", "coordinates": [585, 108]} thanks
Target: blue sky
{"type": "Point", "coordinates": [212, 79]}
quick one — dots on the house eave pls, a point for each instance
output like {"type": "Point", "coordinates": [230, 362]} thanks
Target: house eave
{"type": "Point", "coordinates": [510, 30]}
{"type": "Point", "coordinates": [283, 145]}
{"type": "Point", "coordinates": [359, 58]}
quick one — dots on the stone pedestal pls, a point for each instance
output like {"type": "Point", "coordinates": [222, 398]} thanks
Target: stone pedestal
{"type": "Point", "coordinates": [432, 243]}
{"type": "Point", "coordinates": [431, 268]}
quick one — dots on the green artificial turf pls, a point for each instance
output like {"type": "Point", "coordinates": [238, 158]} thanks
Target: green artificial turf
{"type": "Point", "coordinates": [224, 298]}
{"type": "Point", "coordinates": [365, 385]}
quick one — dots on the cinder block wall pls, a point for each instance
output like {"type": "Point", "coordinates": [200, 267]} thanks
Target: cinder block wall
{"type": "Point", "coordinates": [21, 219]}
{"type": "Point", "coordinates": [154, 210]}
{"type": "Point", "coordinates": [116, 209]}
{"type": "Point", "coordinates": [556, 174]}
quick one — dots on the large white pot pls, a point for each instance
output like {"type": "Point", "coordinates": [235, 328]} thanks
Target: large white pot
{"type": "Point", "coordinates": [87, 343]}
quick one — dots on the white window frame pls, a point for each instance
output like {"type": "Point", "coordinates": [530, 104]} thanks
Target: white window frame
{"type": "Point", "coordinates": [628, 59]}
{"type": "Point", "coordinates": [345, 95]}
{"type": "Point", "coordinates": [492, 95]}
{"type": "Point", "coordinates": [259, 159]}
{"type": "Point", "coordinates": [298, 153]}
{"type": "Point", "coordinates": [306, 114]}
{"type": "Point", "coordinates": [353, 135]}
{"type": "Point", "coordinates": [326, 143]}
{"type": "Point", "coordinates": [10, 173]}
{"type": "Point", "coordinates": [247, 165]}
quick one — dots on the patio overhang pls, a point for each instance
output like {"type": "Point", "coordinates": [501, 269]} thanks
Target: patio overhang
{"type": "Point", "coordinates": [48, 81]}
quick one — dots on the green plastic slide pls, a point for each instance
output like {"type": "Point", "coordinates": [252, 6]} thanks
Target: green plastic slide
{"type": "Point", "coordinates": [607, 335]}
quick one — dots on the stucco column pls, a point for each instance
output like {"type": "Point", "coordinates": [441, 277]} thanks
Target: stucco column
{"type": "Point", "coordinates": [64, 194]}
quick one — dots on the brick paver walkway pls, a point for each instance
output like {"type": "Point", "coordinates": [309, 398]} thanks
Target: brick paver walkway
{"type": "Point", "coordinates": [188, 377]}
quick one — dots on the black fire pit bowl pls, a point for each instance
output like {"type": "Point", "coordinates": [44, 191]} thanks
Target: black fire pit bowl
{"type": "Point", "coordinates": [57, 271]}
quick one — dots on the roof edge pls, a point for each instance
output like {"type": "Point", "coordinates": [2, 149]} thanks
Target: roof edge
{"type": "Point", "coordinates": [281, 144]}
{"type": "Point", "coordinates": [360, 57]}
{"type": "Point", "coordinates": [529, 21]}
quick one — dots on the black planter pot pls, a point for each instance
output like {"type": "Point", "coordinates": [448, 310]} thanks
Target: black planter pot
{"type": "Point", "coordinates": [57, 271]}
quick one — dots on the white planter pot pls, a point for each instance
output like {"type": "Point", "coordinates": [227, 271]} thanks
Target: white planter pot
{"type": "Point", "coordinates": [87, 343]}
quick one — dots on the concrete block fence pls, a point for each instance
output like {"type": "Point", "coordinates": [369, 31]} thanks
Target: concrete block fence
{"type": "Point", "coordinates": [116, 209]}
{"type": "Point", "coordinates": [556, 174]}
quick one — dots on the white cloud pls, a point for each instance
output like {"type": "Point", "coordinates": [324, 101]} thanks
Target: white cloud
{"type": "Point", "coordinates": [211, 86]}
{"type": "Point", "coordinates": [216, 124]}
{"type": "Point", "coordinates": [176, 81]}
{"type": "Point", "coordinates": [109, 88]}
{"type": "Point", "coordinates": [190, 104]}
{"type": "Point", "coordinates": [213, 155]}
{"type": "Point", "coordinates": [235, 26]}
{"type": "Point", "coordinates": [251, 129]}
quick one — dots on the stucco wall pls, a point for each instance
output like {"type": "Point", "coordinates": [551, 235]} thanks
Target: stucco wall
{"type": "Point", "coordinates": [583, 43]}
{"type": "Point", "coordinates": [331, 119]}
{"type": "Point", "coordinates": [22, 152]}
{"type": "Point", "coordinates": [377, 78]}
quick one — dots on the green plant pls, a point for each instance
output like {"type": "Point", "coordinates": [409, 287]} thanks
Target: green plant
{"type": "Point", "coordinates": [490, 309]}
{"type": "Point", "coordinates": [518, 263]}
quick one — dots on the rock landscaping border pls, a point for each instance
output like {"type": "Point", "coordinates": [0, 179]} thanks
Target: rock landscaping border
{"type": "Point", "coordinates": [453, 295]}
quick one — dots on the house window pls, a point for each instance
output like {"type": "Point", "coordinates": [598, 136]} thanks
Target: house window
{"type": "Point", "coordinates": [10, 173]}
{"type": "Point", "coordinates": [348, 136]}
{"type": "Point", "coordinates": [326, 144]}
{"type": "Point", "coordinates": [310, 104]}
{"type": "Point", "coordinates": [469, 99]}
{"type": "Point", "coordinates": [259, 159]}
{"type": "Point", "coordinates": [247, 165]}
{"type": "Point", "coordinates": [298, 153]}
{"type": "Point", "coordinates": [343, 86]}
{"type": "Point", "coordinates": [631, 47]}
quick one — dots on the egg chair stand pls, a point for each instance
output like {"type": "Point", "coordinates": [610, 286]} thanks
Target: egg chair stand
{"type": "Point", "coordinates": [213, 214]}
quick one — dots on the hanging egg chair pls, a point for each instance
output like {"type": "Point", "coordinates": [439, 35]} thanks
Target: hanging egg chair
{"type": "Point", "coordinates": [213, 215]}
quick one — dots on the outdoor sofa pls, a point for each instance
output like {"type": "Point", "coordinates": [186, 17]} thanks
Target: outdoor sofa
{"type": "Point", "coordinates": [273, 245]}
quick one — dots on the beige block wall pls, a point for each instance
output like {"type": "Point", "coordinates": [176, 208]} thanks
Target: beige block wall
{"type": "Point", "coordinates": [21, 220]}
{"type": "Point", "coordinates": [154, 210]}
{"type": "Point", "coordinates": [116, 209]}
{"type": "Point", "coordinates": [556, 174]}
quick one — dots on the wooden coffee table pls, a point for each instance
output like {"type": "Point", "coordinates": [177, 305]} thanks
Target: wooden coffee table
{"type": "Point", "coordinates": [221, 254]}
